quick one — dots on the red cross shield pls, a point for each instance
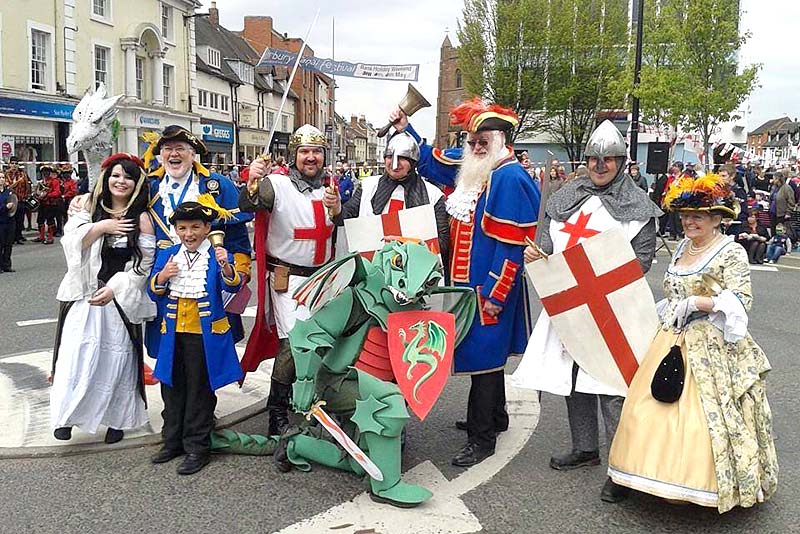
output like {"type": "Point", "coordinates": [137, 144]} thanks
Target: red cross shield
{"type": "Point", "coordinates": [421, 345]}
{"type": "Point", "coordinates": [600, 305]}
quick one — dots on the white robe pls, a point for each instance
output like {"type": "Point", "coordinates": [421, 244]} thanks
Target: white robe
{"type": "Point", "coordinates": [96, 376]}
{"type": "Point", "coordinates": [546, 365]}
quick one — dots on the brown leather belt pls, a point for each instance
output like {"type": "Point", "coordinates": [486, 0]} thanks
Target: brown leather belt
{"type": "Point", "coordinates": [294, 270]}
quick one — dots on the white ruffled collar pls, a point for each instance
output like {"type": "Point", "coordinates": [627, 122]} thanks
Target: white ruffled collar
{"type": "Point", "coordinates": [190, 282]}
{"type": "Point", "coordinates": [461, 203]}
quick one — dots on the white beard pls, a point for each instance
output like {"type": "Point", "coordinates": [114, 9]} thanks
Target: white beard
{"type": "Point", "coordinates": [472, 176]}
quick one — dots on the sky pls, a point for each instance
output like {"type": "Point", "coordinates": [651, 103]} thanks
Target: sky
{"type": "Point", "coordinates": [412, 31]}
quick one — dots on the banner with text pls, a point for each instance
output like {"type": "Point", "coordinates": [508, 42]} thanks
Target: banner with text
{"type": "Point", "coordinates": [273, 56]}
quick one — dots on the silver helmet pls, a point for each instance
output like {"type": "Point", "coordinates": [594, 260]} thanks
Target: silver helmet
{"type": "Point", "coordinates": [306, 135]}
{"type": "Point", "coordinates": [402, 145]}
{"type": "Point", "coordinates": [607, 141]}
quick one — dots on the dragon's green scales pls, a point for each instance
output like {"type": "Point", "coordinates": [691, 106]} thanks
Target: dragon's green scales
{"type": "Point", "coordinates": [402, 276]}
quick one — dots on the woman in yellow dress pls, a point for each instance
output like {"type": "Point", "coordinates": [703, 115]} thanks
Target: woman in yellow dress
{"type": "Point", "coordinates": [713, 446]}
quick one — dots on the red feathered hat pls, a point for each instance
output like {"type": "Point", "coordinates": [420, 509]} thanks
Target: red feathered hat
{"type": "Point", "coordinates": [476, 115]}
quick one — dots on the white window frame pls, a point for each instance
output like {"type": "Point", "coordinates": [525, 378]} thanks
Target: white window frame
{"type": "Point", "coordinates": [139, 81]}
{"type": "Point", "coordinates": [50, 65]}
{"type": "Point", "coordinates": [284, 122]}
{"type": "Point", "coordinates": [109, 64]}
{"type": "Point", "coordinates": [169, 90]}
{"type": "Point", "coordinates": [224, 103]}
{"type": "Point", "coordinates": [108, 18]}
{"type": "Point", "coordinates": [213, 57]}
{"type": "Point", "coordinates": [202, 98]}
{"type": "Point", "coordinates": [213, 100]}
{"type": "Point", "coordinates": [269, 119]}
{"type": "Point", "coordinates": [169, 35]}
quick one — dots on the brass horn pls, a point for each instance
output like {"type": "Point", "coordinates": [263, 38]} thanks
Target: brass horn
{"type": "Point", "coordinates": [411, 103]}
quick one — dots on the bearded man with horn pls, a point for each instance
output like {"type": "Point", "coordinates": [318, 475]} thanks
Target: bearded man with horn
{"type": "Point", "coordinates": [294, 229]}
{"type": "Point", "coordinates": [494, 209]}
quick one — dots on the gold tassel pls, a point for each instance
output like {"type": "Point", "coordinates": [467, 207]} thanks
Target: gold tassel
{"type": "Point", "coordinates": [207, 200]}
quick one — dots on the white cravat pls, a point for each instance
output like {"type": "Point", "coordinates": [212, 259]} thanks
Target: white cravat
{"type": "Point", "coordinates": [190, 282]}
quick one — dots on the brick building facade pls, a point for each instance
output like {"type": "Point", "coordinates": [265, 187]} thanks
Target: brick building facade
{"type": "Point", "coordinates": [451, 93]}
{"type": "Point", "coordinates": [260, 33]}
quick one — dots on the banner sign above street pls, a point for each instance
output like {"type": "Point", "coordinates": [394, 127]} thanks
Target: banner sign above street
{"type": "Point", "coordinates": [275, 57]}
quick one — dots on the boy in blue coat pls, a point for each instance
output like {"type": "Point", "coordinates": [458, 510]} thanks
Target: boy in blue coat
{"type": "Point", "coordinates": [196, 354]}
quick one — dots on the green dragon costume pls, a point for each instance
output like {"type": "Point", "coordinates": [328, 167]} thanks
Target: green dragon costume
{"type": "Point", "coordinates": [342, 357]}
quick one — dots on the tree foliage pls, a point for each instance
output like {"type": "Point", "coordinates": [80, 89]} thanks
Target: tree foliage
{"type": "Point", "coordinates": [690, 76]}
{"type": "Point", "coordinates": [556, 62]}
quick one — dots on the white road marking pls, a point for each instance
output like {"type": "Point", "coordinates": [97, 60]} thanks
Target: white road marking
{"type": "Point", "coordinates": [765, 268]}
{"type": "Point", "coordinates": [33, 322]}
{"type": "Point", "coordinates": [25, 414]}
{"type": "Point", "coordinates": [445, 512]}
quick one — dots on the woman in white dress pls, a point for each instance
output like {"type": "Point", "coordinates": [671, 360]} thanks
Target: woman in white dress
{"type": "Point", "coordinates": [109, 244]}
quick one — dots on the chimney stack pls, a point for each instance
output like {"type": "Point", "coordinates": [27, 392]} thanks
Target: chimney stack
{"type": "Point", "coordinates": [213, 14]}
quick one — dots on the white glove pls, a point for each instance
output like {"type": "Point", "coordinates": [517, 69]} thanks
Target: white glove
{"type": "Point", "coordinates": [683, 310]}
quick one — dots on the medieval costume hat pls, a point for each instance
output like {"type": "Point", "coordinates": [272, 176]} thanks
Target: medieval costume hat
{"type": "Point", "coordinates": [205, 209]}
{"type": "Point", "coordinates": [46, 169]}
{"type": "Point", "coordinates": [402, 145]}
{"type": "Point", "coordinates": [179, 133]}
{"type": "Point", "coordinates": [306, 135]}
{"type": "Point", "coordinates": [476, 115]}
{"type": "Point", "coordinates": [707, 193]}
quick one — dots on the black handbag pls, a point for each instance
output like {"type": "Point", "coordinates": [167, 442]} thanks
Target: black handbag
{"type": "Point", "coordinates": [667, 384]}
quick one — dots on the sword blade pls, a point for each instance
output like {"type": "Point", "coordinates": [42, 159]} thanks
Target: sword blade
{"type": "Point", "coordinates": [347, 444]}
{"type": "Point", "coordinates": [289, 82]}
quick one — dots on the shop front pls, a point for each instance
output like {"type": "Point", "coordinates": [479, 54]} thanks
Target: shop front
{"type": "Point", "coordinates": [137, 121]}
{"type": "Point", "coordinates": [218, 138]}
{"type": "Point", "coordinates": [251, 143]}
{"type": "Point", "coordinates": [280, 145]}
{"type": "Point", "coordinates": [34, 130]}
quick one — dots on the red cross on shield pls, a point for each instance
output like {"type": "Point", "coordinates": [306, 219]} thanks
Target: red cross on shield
{"type": "Point", "coordinates": [600, 305]}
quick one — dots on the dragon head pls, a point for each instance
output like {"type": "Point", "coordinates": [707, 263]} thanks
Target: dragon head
{"type": "Point", "coordinates": [410, 271]}
{"type": "Point", "coordinates": [92, 122]}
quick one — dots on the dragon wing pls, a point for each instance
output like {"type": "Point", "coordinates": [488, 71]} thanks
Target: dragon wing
{"type": "Point", "coordinates": [460, 301]}
{"type": "Point", "coordinates": [329, 281]}
{"type": "Point", "coordinates": [437, 340]}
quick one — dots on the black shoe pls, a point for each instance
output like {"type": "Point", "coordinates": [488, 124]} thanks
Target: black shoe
{"type": "Point", "coordinates": [470, 455]}
{"type": "Point", "coordinates": [19, 241]}
{"type": "Point", "coordinates": [281, 458]}
{"type": "Point", "coordinates": [165, 455]}
{"type": "Point", "coordinates": [278, 422]}
{"type": "Point", "coordinates": [9, 270]}
{"type": "Point", "coordinates": [63, 433]}
{"type": "Point", "coordinates": [462, 425]}
{"type": "Point", "coordinates": [113, 435]}
{"type": "Point", "coordinates": [194, 462]}
{"type": "Point", "coordinates": [613, 492]}
{"type": "Point", "coordinates": [574, 460]}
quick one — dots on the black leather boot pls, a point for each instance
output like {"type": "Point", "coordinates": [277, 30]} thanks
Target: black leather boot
{"type": "Point", "coordinates": [278, 408]}
{"type": "Point", "coordinates": [574, 460]}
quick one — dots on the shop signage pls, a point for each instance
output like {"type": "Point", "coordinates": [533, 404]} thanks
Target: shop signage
{"type": "Point", "coordinates": [219, 133]}
{"type": "Point", "coordinates": [253, 138]}
{"type": "Point", "coordinates": [146, 120]}
{"type": "Point", "coordinates": [6, 147]}
{"type": "Point", "coordinates": [35, 108]}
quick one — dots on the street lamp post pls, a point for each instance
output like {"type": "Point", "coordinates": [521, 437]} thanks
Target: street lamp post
{"type": "Point", "coordinates": [637, 72]}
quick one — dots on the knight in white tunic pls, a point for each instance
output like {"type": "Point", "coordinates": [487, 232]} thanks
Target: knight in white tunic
{"type": "Point", "coordinates": [299, 239]}
{"type": "Point", "coordinates": [584, 207]}
{"type": "Point", "coordinates": [400, 187]}
{"type": "Point", "coordinates": [97, 362]}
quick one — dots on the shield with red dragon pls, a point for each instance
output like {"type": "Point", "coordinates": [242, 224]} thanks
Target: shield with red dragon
{"type": "Point", "coordinates": [421, 345]}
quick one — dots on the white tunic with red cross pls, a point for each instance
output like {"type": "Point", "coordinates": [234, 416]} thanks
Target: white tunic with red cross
{"type": "Point", "coordinates": [300, 233]}
{"type": "Point", "coordinates": [397, 202]}
{"type": "Point", "coordinates": [547, 366]}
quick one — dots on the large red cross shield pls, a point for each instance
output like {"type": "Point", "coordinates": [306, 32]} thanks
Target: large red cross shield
{"type": "Point", "coordinates": [421, 345]}
{"type": "Point", "coordinates": [600, 305]}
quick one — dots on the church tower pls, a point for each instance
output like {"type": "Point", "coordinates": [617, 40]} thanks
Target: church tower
{"type": "Point", "coordinates": [451, 92]}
